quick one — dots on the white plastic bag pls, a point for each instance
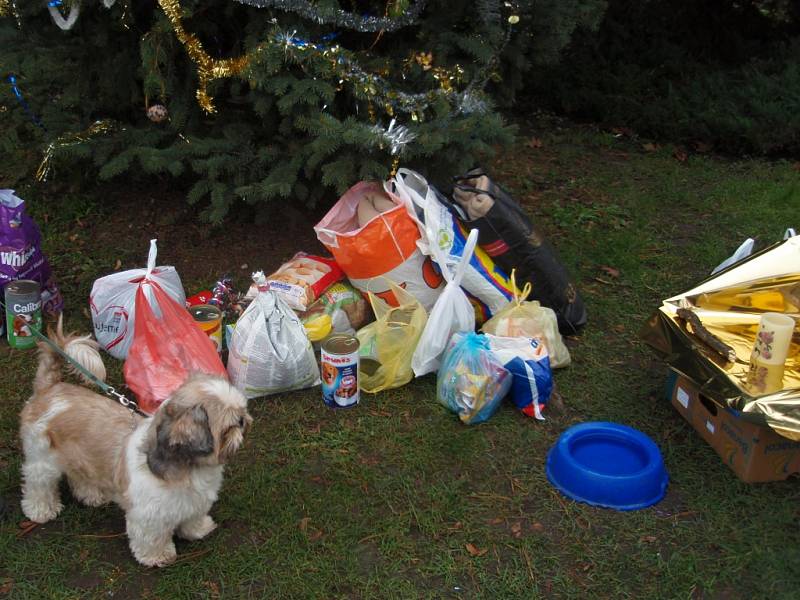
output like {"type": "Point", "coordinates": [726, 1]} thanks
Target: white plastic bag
{"type": "Point", "coordinates": [482, 278]}
{"type": "Point", "coordinates": [113, 299]}
{"type": "Point", "coordinates": [452, 312]}
{"type": "Point", "coordinates": [269, 352]}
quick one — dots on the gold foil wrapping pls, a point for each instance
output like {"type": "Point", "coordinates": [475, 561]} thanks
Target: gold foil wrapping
{"type": "Point", "coordinates": [730, 305]}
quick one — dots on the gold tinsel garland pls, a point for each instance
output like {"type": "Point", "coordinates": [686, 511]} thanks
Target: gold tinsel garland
{"type": "Point", "coordinates": [208, 68]}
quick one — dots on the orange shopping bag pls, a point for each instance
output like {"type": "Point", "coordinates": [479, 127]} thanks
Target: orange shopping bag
{"type": "Point", "coordinates": [166, 349]}
{"type": "Point", "coordinates": [385, 248]}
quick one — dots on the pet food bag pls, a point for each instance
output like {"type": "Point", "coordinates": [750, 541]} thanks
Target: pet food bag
{"type": "Point", "coordinates": [167, 347]}
{"type": "Point", "coordinates": [483, 280]}
{"type": "Point", "coordinates": [529, 365]}
{"type": "Point", "coordinates": [374, 240]}
{"type": "Point", "coordinates": [303, 279]}
{"type": "Point", "coordinates": [21, 255]}
{"type": "Point", "coordinates": [341, 309]}
{"type": "Point", "coordinates": [113, 301]}
{"type": "Point", "coordinates": [452, 313]}
{"type": "Point", "coordinates": [472, 382]}
{"type": "Point", "coordinates": [387, 345]}
{"type": "Point", "coordinates": [509, 237]}
{"type": "Point", "coordinates": [269, 351]}
{"type": "Point", "coordinates": [530, 320]}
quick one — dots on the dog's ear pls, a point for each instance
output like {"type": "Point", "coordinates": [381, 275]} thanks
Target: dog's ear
{"type": "Point", "coordinates": [182, 435]}
{"type": "Point", "coordinates": [233, 437]}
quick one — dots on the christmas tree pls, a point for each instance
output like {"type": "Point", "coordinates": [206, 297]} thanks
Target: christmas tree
{"type": "Point", "coordinates": [265, 101]}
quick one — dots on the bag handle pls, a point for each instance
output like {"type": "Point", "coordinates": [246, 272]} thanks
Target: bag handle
{"type": "Point", "coordinates": [519, 297]}
{"type": "Point", "coordinates": [151, 259]}
{"type": "Point", "coordinates": [466, 256]}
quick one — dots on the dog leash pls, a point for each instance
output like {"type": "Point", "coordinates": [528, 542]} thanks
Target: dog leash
{"type": "Point", "coordinates": [107, 389]}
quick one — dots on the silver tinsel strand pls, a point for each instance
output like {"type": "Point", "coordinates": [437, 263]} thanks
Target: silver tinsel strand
{"type": "Point", "coordinates": [341, 18]}
{"type": "Point", "coordinates": [68, 22]}
{"type": "Point", "coordinates": [395, 136]}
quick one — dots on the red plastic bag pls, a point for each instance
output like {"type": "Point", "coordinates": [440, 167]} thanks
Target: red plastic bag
{"type": "Point", "coordinates": [165, 349]}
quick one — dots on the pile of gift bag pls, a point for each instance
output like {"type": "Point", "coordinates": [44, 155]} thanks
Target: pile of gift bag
{"type": "Point", "coordinates": [464, 287]}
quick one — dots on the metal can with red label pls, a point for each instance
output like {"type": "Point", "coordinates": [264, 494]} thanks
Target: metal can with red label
{"type": "Point", "coordinates": [339, 370]}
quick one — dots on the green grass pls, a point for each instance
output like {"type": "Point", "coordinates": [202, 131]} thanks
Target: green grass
{"type": "Point", "coordinates": [382, 500]}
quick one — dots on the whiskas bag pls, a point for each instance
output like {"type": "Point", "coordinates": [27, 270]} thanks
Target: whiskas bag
{"type": "Point", "coordinates": [483, 280]}
{"type": "Point", "coordinates": [21, 254]}
{"type": "Point", "coordinates": [377, 246]}
{"type": "Point", "coordinates": [113, 302]}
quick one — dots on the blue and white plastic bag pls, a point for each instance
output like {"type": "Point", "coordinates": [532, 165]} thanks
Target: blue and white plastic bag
{"type": "Point", "coordinates": [527, 361]}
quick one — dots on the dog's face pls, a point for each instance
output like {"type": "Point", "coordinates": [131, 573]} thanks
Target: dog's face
{"type": "Point", "coordinates": [201, 424]}
{"type": "Point", "coordinates": [329, 373]}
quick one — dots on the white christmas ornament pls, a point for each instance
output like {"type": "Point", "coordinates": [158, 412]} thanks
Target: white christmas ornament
{"type": "Point", "coordinates": [157, 113]}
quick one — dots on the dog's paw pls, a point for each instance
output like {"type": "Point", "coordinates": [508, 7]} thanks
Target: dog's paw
{"type": "Point", "coordinates": [166, 557]}
{"type": "Point", "coordinates": [197, 529]}
{"type": "Point", "coordinates": [41, 512]}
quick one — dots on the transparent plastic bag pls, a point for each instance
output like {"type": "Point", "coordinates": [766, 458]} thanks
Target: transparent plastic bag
{"type": "Point", "coordinates": [387, 345]}
{"type": "Point", "coordinates": [472, 381]}
{"type": "Point", "coordinates": [530, 320]}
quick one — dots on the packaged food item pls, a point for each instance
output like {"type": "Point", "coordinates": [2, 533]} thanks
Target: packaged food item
{"type": "Point", "coordinates": [303, 279]}
{"type": "Point", "coordinates": [529, 365]}
{"type": "Point", "coordinates": [113, 302]}
{"type": "Point", "coordinates": [530, 320]}
{"type": "Point", "coordinates": [375, 244]}
{"type": "Point", "coordinates": [21, 255]}
{"type": "Point", "coordinates": [472, 382]}
{"type": "Point", "coordinates": [269, 351]}
{"type": "Point", "coordinates": [340, 309]}
{"type": "Point", "coordinates": [339, 366]}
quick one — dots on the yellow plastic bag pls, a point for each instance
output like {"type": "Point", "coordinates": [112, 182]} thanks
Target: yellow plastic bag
{"type": "Point", "coordinates": [530, 320]}
{"type": "Point", "coordinates": [387, 344]}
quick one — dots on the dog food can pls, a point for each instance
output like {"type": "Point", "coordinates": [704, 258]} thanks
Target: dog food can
{"type": "Point", "coordinates": [339, 366]}
{"type": "Point", "coordinates": [209, 319]}
{"type": "Point", "coordinates": [23, 313]}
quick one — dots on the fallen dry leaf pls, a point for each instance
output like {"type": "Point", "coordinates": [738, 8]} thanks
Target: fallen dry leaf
{"type": "Point", "coordinates": [6, 586]}
{"type": "Point", "coordinates": [702, 147]}
{"type": "Point", "coordinates": [315, 535]}
{"type": "Point", "coordinates": [649, 147]}
{"type": "Point", "coordinates": [619, 328]}
{"type": "Point", "coordinates": [534, 143]}
{"type": "Point", "coordinates": [303, 523]}
{"type": "Point", "coordinates": [474, 550]}
{"type": "Point", "coordinates": [610, 271]}
{"type": "Point", "coordinates": [117, 265]}
{"type": "Point", "coordinates": [680, 155]}
{"type": "Point", "coordinates": [516, 529]}
{"type": "Point", "coordinates": [648, 538]}
{"type": "Point", "coordinates": [496, 521]}
{"type": "Point", "coordinates": [537, 526]}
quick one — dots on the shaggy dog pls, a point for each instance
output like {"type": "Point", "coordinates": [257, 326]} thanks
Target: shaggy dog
{"type": "Point", "coordinates": [164, 471]}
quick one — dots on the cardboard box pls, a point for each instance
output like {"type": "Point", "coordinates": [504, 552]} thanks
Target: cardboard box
{"type": "Point", "coordinates": [755, 452]}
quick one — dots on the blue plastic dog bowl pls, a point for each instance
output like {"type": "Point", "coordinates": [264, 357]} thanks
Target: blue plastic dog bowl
{"type": "Point", "coordinates": [609, 465]}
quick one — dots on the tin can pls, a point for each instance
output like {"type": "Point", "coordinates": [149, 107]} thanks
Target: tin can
{"type": "Point", "coordinates": [339, 369]}
{"type": "Point", "coordinates": [23, 313]}
{"type": "Point", "coordinates": [209, 319]}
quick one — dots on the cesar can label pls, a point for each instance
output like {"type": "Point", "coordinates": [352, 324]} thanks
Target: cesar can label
{"type": "Point", "coordinates": [339, 368]}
